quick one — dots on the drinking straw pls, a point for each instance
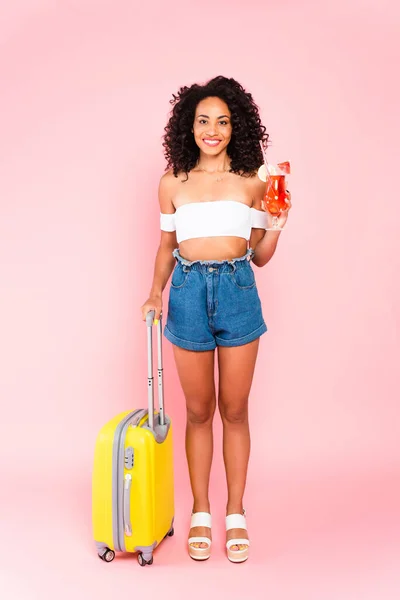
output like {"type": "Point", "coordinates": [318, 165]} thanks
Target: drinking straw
{"type": "Point", "coordinates": [264, 153]}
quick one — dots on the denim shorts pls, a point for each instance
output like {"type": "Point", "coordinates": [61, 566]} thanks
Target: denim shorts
{"type": "Point", "coordinates": [213, 303]}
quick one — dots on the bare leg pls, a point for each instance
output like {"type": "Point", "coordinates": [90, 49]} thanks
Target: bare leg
{"type": "Point", "coordinates": [236, 368]}
{"type": "Point", "coordinates": [196, 374]}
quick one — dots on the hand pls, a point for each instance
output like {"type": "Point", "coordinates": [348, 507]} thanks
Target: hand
{"type": "Point", "coordinates": [283, 216]}
{"type": "Point", "coordinates": [153, 303]}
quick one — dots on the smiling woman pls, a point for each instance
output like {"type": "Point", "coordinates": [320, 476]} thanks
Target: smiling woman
{"type": "Point", "coordinates": [238, 123]}
{"type": "Point", "coordinates": [210, 201]}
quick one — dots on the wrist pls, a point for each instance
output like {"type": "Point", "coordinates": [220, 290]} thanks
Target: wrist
{"type": "Point", "coordinates": [273, 233]}
{"type": "Point", "coordinates": [156, 294]}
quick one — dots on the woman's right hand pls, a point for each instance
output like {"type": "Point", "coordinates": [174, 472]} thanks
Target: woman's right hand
{"type": "Point", "coordinates": [153, 303]}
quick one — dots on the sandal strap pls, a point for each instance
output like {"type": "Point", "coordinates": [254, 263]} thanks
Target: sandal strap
{"type": "Point", "coordinates": [235, 522]}
{"type": "Point", "coordinates": [200, 540]}
{"type": "Point", "coordinates": [201, 519]}
{"type": "Point", "coordinates": [237, 542]}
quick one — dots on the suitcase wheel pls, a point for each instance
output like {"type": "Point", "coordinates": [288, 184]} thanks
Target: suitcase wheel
{"type": "Point", "coordinates": [108, 555]}
{"type": "Point", "coordinates": [142, 562]}
{"type": "Point", "coordinates": [171, 533]}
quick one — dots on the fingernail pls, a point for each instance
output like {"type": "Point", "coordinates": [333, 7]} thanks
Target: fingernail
{"type": "Point", "coordinates": [155, 321]}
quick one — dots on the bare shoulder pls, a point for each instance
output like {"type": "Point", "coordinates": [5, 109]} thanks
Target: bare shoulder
{"type": "Point", "coordinates": [168, 181]}
{"type": "Point", "coordinates": [166, 192]}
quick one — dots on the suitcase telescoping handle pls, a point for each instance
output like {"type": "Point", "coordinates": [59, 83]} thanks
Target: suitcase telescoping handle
{"type": "Point", "coordinates": [150, 379]}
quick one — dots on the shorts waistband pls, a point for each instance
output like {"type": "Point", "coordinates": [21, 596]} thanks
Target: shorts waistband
{"type": "Point", "coordinates": [217, 264]}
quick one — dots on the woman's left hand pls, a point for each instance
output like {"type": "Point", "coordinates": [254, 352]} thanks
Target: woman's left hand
{"type": "Point", "coordinates": [283, 215]}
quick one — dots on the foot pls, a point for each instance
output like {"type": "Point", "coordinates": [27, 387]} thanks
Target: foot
{"type": "Point", "coordinates": [234, 534]}
{"type": "Point", "coordinates": [236, 530]}
{"type": "Point", "coordinates": [200, 532]}
{"type": "Point", "coordinates": [200, 535]}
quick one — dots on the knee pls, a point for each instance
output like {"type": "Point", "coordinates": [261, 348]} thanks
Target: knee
{"type": "Point", "coordinates": [235, 413]}
{"type": "Point", "coordinates": [199, 413]}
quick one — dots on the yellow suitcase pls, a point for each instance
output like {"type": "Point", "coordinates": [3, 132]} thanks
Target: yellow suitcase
{"type": "Point", "coordinates": [133, 484]}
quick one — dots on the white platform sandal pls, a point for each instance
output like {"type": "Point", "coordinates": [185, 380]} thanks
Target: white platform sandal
{"type": "Point", "coordinates": [237, 521]}
{"type": "Point", "coordinates": [200, 519]}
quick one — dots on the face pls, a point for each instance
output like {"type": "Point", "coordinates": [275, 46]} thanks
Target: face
{"type": "Point", "coordinates": [212, 127]}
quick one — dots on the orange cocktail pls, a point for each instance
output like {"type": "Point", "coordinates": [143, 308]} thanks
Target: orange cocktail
{"type": "Point", "coordinates": [274, 200]}
{"type": "Point", "coordinates": [275, 195]}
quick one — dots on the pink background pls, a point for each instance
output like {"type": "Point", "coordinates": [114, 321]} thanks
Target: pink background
{"type": "Point", "coordinates": [85, 91]}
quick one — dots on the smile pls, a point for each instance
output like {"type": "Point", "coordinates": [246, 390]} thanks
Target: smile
{"type": "Point", "coordinates": [211, 142]}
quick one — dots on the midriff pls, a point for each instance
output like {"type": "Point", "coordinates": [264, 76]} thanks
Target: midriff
{"type": "Point", "coordinates": [213, 248]}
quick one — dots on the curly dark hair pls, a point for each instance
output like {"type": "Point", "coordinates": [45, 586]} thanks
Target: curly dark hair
{"type": "Point", "coordinates": [180, 148]}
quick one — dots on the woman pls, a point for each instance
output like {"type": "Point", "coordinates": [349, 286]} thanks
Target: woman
{"type": "Point", "coordinates": [210, 203]}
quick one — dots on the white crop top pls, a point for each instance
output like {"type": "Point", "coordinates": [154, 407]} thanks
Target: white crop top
{"type": "Point", "coordinates": [215, 218]}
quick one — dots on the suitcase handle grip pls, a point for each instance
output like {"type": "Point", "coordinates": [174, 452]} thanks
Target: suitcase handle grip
{"type": "Point", "coordinates": [150, 318]}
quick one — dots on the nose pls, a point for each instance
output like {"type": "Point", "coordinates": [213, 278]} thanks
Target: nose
{"type": "Point", "coordinates": [211, 131]}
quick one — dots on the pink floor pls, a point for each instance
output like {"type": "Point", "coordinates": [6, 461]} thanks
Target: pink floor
{"type": "Point", "coordinates": [326, 538]}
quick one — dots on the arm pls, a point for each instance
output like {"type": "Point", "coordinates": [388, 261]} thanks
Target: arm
{"type": "Point", "coordinates": [264, 242]}
{"type": "Point", "coordinates": [164, 262]}
{"type": "Point", "coordinates": [265, 248]}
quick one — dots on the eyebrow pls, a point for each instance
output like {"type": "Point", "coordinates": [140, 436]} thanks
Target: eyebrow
{"type": "Point", "coordinates": [207, 117]}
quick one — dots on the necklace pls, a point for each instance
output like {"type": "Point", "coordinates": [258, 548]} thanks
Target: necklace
{"type": "Point", "coordinates": [219, 178]}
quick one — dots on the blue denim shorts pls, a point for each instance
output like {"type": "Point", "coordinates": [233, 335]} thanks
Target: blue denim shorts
{"type": "Point", "coordinates": [213, 303]}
